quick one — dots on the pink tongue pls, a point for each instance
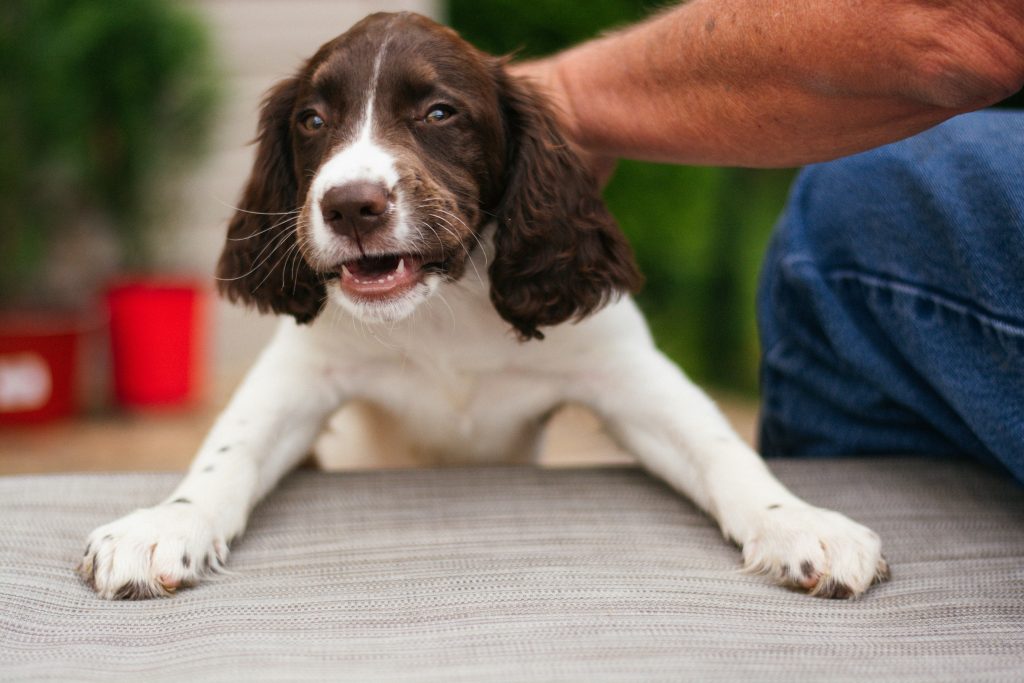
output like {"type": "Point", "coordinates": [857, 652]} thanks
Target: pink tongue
{"type": "Point", "coordinates": [373, 268]}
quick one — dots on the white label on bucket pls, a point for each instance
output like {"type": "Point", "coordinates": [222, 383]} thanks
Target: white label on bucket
{"type": "Point", "coordinates": [24, 382]}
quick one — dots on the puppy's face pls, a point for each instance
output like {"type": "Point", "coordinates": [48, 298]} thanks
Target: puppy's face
{"type": "Point", "coordinates": [380, 163]}
{"type": "Point", "coordinates": [398, 146]}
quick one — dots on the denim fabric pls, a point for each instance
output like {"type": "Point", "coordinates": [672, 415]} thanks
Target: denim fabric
{"type": "Point", "coordinates": [891, 305]}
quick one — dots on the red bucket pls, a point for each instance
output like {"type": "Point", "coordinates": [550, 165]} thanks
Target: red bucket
{"type": "Point", "coordinates": [39, 368]}
{"type": "Point", "coordinates": [157, 337]}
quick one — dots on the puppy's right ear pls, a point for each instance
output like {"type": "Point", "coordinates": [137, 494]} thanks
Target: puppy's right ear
{"type": "Point", "coordinates": [261, 264]}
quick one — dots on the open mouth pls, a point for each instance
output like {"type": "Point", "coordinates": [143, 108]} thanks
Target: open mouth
{"type": "Point", "coordinates": [384, 277]}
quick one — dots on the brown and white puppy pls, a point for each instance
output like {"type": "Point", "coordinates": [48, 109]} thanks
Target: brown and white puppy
{"type": "Point", "coordinates": [407, 185]}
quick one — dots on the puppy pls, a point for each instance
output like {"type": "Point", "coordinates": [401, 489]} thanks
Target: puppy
{"type": "Point", "coordinates": [436, 249]}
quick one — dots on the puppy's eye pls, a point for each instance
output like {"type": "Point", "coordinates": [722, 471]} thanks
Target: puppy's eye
{"type": "Point", "coordinates": [438, 113]}
{"type": "Point", "coordinates": [311, 122]}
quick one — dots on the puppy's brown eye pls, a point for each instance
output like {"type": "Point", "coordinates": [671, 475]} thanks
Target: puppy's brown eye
{"type": "Point", "coordinates": [312, 122]}
{"type": "Point", "coordinates": [438, 113]}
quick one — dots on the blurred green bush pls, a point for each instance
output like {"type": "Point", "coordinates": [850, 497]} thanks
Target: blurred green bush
{"type": "Point", "coordinates": [102, 101]}
{"type": "Point", "coordinates": [699, 233]}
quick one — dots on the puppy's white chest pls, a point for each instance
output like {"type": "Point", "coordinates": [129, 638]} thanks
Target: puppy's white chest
{"type": "Point", "coordinates": [452, 415]}
{"type": "Point", "coordinates": [457, 389]}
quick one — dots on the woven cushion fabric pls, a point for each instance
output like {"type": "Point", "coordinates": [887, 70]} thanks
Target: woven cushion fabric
{"type": "Point", "coordinates": [520, 574]}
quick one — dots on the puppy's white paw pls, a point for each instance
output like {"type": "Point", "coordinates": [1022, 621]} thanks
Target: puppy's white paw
{"type": "Point", "coordinates": [820, 551]}
{"type": "Point", "coordinates": [152, 552]}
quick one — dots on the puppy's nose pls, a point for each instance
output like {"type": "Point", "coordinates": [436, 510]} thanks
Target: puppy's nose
{"type": "Point", "coordinates": [355, 209]}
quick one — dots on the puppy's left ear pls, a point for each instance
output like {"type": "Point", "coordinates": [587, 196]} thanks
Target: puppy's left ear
{"type": "Point", "coordinates": [559, 254]}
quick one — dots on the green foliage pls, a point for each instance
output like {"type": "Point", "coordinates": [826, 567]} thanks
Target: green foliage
{"type": "Point", "coordinates": [699, 233]}
{"type": "Point", "coordinates": [539, 27]}
{"type": "Point", "coordinates": [699, 236]}
{"type": "Point", "coordinates": [103, 101]}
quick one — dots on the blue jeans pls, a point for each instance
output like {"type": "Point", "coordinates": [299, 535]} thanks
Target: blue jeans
{"type": "Point", "coordinates": [891, 305]}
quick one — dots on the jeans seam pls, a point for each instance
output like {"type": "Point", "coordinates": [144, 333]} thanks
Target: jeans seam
{"type": "Point", "coordinates": [987, 319]}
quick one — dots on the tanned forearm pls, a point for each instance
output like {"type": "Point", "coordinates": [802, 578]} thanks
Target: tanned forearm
{"type": "Point", "coordinates": [772, 83]}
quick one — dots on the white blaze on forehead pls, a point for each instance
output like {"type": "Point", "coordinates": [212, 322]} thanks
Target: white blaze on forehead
{"type": "Point", "coordinates": [372, 92]}
{"type": "Point", "coordinates": [362, 160]}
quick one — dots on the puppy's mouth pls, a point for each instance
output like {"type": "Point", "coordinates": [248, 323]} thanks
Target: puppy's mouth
{"type": "Point", "coordinates": [388, 276]}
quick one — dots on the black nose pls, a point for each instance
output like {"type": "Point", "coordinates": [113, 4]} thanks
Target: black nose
{"type": "Point", "coordinates": [355, 209]}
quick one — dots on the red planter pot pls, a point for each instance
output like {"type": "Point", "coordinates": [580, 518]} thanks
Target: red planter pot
{"type": "Point", "coordinates": [158, 341]}
{"type": "Point", "coordinates": [39, 366]}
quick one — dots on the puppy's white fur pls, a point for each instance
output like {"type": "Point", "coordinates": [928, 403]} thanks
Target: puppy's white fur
{"type": "Point", "coordinates": [455, 376]}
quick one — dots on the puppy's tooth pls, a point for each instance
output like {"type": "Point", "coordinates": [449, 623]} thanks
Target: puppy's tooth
{"type": "Point", "coordinates": [345, 271]}
{"type": "Point", "coordinates": [401, 266]}
{"type": "Point", "coordinates": [391, 277]}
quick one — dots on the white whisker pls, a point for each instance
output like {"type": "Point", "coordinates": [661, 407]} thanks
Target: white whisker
{"type": "Point", "coordinates": [288, 223]}
{"type": "Point", "coordinates": [277, 241]}
{"type": "Point", "coordinates": [255, 213]}
{"type": "Point", "coordinates": [451, 231]}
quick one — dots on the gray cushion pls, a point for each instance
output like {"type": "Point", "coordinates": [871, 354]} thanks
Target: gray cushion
{"type": "Point", "coordinates": [521, 574]}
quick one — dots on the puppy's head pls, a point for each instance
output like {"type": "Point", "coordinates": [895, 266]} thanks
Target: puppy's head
{"type": "Point", "coordinates": [379, 164]}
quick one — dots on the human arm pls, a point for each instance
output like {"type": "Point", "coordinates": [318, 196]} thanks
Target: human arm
{"type": "Point", "coordinates": [767, 83]}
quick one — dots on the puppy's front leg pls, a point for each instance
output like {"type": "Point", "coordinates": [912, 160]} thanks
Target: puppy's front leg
{"type": "Point", "coordinates": [266, 429]}
{"type": "Point", "coordinates": [677, 433]}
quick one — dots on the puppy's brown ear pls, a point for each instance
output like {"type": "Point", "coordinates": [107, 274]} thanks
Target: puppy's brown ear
{"type": "Point", "coordinates": [558, 252]}
{"type": "Point", "coordinates": [260, 264]}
